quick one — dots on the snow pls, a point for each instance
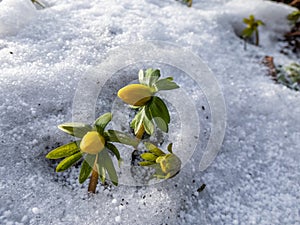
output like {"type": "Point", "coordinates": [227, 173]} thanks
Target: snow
{"type": "Point", "coordinates": [44, 54]}
{"type": "Point", "coordinates": [14, 15]}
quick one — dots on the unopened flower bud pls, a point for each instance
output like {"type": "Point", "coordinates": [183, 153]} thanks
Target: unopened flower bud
{"type": "Point", "coordinates": [169, 164]}
{"type": "Point", "coordinates": [135, 94]}
{"type": "Point", "coordinates": [92, 143]}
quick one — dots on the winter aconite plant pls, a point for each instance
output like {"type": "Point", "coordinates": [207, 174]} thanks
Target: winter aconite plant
{"type": "Point", "coordinates": [165, 165]}
{"type": "Point", "coordinates": [294, 17]}
{"type": "Point", "coordinates": [289, 76]}
{"type": "Point", "coordinates": [95, 146]}
{"type": "Point", "coordinates": [151, 109]}
{"type": "Point", "coordinates": [252, 27]}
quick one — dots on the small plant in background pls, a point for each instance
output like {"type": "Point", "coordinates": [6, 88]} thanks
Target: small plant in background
{"type": "Point", "coordinates": [151, 109]}
{"type": "Point", "coordinates": [252, 27]}
{"type": "Point", "coordinates": [289, 76]}
{"type": "Point", "coordinates": [95, 147]}
{"type": "Point", "coordinates": [188, 2]}
{"type": "Point", "coordinates": [293, 36]}
{"type": "Point", "coordinates": [294, 17]}
{"type": "Point", "coordinates": [165, 165]}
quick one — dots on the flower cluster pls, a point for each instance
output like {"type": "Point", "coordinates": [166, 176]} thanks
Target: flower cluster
{"type": "Point", "coordinates": [95, 144]}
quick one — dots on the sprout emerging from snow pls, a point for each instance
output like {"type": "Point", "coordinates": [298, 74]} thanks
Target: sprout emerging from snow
{"type": "Point", "coordinates": [294, 17]}
{"type": "Point", "coordinates": [165, 165]}
{"type": "Point", "coordinates": [252, 27]}
{"type": "Point", "coordinates": [94, 146]}
{"type": "Point", "coordinates": [289, 76]}
{"type": "Point", "coordinates": [151, 109]}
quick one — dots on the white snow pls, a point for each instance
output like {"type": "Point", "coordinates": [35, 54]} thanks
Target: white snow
{"type": "Point", "coordinates": [14, 15]}
{"type": "Point", "coordinates": [255, 179]}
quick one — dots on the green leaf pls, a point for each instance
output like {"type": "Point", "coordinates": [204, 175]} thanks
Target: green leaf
{"type": "Point", "coordinates": [109, 166]}
{"type": "Point", "coordinates": [137, 121]}
{"type": "Point", "coordinates": [151, 76]}
{"type": "Point", "coordinates": [170, 148]}
{"type": "Point", "coordinates": [165, 84]}
{"type": "Point", "coordinates": [161, 124]}
{"type": "Point", "coordinates": [246, 21]}
{"type": "Point", "coordinates": [260, 23]}
{"type": "Point", "coordinates": [153, 149]}
{"type": "Point", "coordinates": [146, 163]}
{"type": "Point", "coordinates": [158, 111]}
{"type": "Point", "coordinates": [117, 136]}
{"type": "Point", "coordinates": [64, 151]}
{"type": "Point", "coordinates": [75, 129]}
{"type": "Point", "coordinates": [294, 16]}
{"type": "Point", "coordinates": [101, 169]}
{"type": "Point", "coordinates": [68, 162]}
{"type": "Point", "coordinates": [142, 77]}
{"type": "Point", "coordinates": [148, 125]}
{"type": "Point", "coordinates": [114, 150]}
{"type": "Point", "coordinates": [102, 174]}
{"type": "Point", "coordinates": [149, 156]}
{"type": "Point", "coordinates": [86, 168]}
{"type": "Point", "coordinates": [247, 32]}
{"type": "Point", "coordinates": [251, 18]}
{"type": "Point", "coordinates": [102, 122]}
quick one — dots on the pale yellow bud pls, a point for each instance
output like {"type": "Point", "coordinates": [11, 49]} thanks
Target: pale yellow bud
{"type": "Point", "coordinates": [169, 163]}
{"type": "Point", "coordinates": [92, 143]}
{"type": "Point", "coordinates": [135, 94]}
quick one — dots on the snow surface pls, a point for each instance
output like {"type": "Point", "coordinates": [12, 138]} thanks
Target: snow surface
{"type": "Point", "coordinates": [254, 180]}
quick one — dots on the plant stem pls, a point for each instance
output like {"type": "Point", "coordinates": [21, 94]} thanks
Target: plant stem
{"type": "Point", "coordinates": [93, 182]}
{"type": "Point", "coordinates": [140, 132]}
{"type": "Point", "coordinates": [94, 178]}
{"type": "Point", "coordinates": [257, 37]}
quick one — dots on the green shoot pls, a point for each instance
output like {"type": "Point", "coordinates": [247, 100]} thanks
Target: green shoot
{"type": "Point", "coordinates": [252, 27]}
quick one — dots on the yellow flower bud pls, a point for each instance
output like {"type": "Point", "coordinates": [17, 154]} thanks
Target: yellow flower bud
{"type": "Point", "coordinates": [169, 164]}
{"type": "Point", "coordinates": [92, 143]}
{"type": "Point", "coordinates": [135, 94]}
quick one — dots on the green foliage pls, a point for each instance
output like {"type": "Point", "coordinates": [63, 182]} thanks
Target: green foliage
{"type": "Point", "coordinates": [157, 111]}
{"type": "Point", "coordinates": [165, 84]}
{"type": "Point", "coordinates": [294, 17]}
{"type": "Point", "coordinates": [86, 168]}
{"type": "Point", "coordinates": [154, 111]}
{"type": "Point", "coordinates": [68, 162]}
{"type": "Point", "coordinates": [105, 164]}
{"type": "Point", "coordinates": [64, 151]}
{"type": "Point", "coordinates": [120, 137]}
{"type": "Point", "coordinates": [95, 143]}
{"type": "Point", "coordinates": [166, 165]}
{"type": "Point", "coordinates": [102, 122]}
{"type": "Point", "coordinates": [75, 129]}
{"type": "Point", "coordinates": [71, 152]}
{"type": "Point", "coordinates": [252, 27]}
{"type": "Point", "coordinates": [289, 76]}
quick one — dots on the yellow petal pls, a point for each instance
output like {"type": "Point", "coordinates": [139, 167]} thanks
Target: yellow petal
{"type": "Point", "coordinates": [92, 143]}
{"type": "Point", "coordinates": [135, 94]}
